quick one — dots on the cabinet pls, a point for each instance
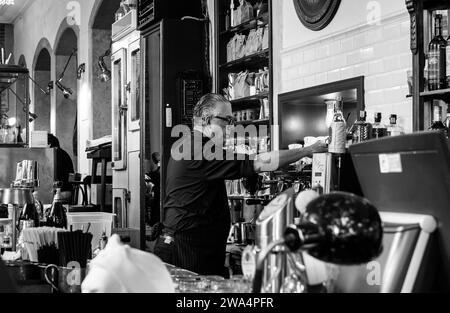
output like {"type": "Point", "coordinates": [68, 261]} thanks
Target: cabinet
{"type": "Point", "coordinates": [126, 149]}
{"type": "Point", "coordinates": [252, 106]}
{"type": "Point", "coordinates": [421, 12]}
{"type": "Point", "coordinates": [172, 80]}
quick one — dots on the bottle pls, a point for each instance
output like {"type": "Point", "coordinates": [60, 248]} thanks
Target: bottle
{"type": "Point", "coordinates": [447, 121]}
{"type": "Point", "coordinates": [437, 58]}
{"type": "Point", "coordinates": [378, 130]}
{"type": "Point", "coordinates": [57, 217]}
{"type": "Point", "coordinates": [437, 124]}
{"type": "Point", "coordinates": [447, 54]}
{"type": "Point", "coordinates": [228, 20]}
{"type": "Point", "coordinates": [362, 130]}
{"type": "Point", "coordinates": [338, 130]}
{"type": "Point", "coordinates": [232, 21]}
{"type": "Point", "coordinates": [19, 134]}
{"type": "Point", "coordinates": [394, 129]}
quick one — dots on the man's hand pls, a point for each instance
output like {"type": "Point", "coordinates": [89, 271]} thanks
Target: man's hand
{"type": "Point", "coordinates": [319, 147]}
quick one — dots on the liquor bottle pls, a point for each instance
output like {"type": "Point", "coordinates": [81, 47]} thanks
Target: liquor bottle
{"type": "Point", "coordinates": [362, 130]}
{"type": "Point", "coordinates": [378, 130]}
{"type": "Point", "coordinates": [394, 129]}
{"type": "Point", "coordinates": [447, 121]}
{"type": "Point", "coordinates": [228, 20]}
{"type": "Point", "coordinates": [437, 124]}
{"type": "Point", "coordinates": [437, 58]}
{"type": "Point", "coordinates": [338, 130]}
{"type": "Point", "coordinates": [447, 54]}
{"type": "Point", "coordinates": [57, 217]}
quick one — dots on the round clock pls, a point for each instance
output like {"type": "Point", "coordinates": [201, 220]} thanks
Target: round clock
{"type": "Point", "coordinates": [316, 14]}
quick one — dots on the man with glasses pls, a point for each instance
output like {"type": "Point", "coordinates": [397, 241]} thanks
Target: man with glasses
{"type": "Point", "coordinates": [196, 212]}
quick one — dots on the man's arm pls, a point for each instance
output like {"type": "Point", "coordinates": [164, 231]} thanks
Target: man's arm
{"type": "Point", "coordinates": [272, 161]}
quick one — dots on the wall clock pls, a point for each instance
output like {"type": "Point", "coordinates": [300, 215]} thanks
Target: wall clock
{"type": "Point", "coordinates": [316, 14]}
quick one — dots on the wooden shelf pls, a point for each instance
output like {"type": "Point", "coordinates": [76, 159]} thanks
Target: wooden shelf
{"type": "Point", "coordinates": [254, 122]}
{"type": "Point", "coordinates": [442, 94]}
{"type": "Point", "coordinates": [12, 145]}
{"type": "Point", "coordinates": [253, 23]}
{"type": "Point", "coordinates": [251, 60]}
{"type": "Point", "coordinates": [260, 96]}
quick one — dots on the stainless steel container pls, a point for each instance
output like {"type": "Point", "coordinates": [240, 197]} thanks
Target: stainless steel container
{"type": "Point", "coordinates": [270, 227]}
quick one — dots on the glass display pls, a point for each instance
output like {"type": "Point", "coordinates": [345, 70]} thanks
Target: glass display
{"type": "Point", "coordinates": [119, 110]}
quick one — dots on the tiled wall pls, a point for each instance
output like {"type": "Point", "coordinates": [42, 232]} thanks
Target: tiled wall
{"type": "Point", "coordinates": [378, 52]}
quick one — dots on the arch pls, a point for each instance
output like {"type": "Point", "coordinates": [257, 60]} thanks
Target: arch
{"type": "Point", "coordinates": [102, 12]}
{"type": "Point", "coordinates": [102, 17]}
{"type": "Point", "coordinates": [20, 90]}
{"type": "Point", "coordinates": [42, 76]}
{"type": "Point", "coordinates": [22, 61]}
{"type": "Point", "coordinates": [66, 109]}
{"type": "Point", "coordinates": [73, 33]}
{"type": "Point", "coordinates": [42, 44]}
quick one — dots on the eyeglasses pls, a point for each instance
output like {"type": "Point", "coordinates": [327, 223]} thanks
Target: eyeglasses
{"type": "Point", "coordinates": [229, 119]}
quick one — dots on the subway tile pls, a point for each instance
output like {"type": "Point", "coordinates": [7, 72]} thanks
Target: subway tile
{"type": "Point", "coordinates": [347, 44]}
{"type": "Point", "coordinates": [321, 78]}
{"type": "Point", "coordinates": [309, 55]}
{"type": "Point", "coordinates": [336, 47]}
{"type": "Point", "coordinates": [334, 75]}
{"type": "Point", "coordinates": [361, 69]}
{"type": "Point", "coordinates": [310, 81]}
{"type": "Point", "coordinates": [286, 62]}
{"type": "Point", "coordinates": [391, 31]}
{"type": "Point", "coordinates": [370, 83]}
{"type": "Point", "coordinates": [374, 36]}
{"type": "Point", "coordinates": [375, 97]}
{"type": "Point", "coordinates": [367, 53]}
{"type": "Point", "coordinates": [376, 67]}
{"type": "Point", "coordinates": [392, 63]}
{"type": "Point", "coordinates": [347, 72]}
{"type": "Point", "coordinates": [297, 58]}
{"type": "Point", "coordinates": [353, 57]}
{"type": "Point", "coordinates": [323, 51]}
{"type": "Point", "coordinates": [292, 73]}
{"type": "Point", "coordinates": [315, 67]}
{"type": "Point", "coordinates": [360, 40]}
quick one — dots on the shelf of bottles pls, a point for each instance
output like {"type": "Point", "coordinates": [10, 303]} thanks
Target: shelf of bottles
{"type": "Point", "coordinates": [14, 111]}
{"type": "Point", "coordinates": [436, 87]}
{"type": "Point", "coordinates": [244, 66]}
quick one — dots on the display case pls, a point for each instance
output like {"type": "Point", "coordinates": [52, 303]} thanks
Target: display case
{"type": "Point", "coordinates": [422, 13]}
{"type": "Point", "coordinates": [14, 106]}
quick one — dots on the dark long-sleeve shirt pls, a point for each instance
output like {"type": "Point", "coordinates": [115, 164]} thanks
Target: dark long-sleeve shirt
{"type": "Point", "coordinates": [196, 194]}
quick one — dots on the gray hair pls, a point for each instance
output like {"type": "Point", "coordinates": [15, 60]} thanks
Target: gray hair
{"type": "Point", "coordinates": [207, 104]}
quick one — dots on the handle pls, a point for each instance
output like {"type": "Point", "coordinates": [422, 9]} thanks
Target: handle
{"type": "Point", "coordinates": [54, 274]}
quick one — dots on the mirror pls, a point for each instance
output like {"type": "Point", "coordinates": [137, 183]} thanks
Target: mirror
{"type": "Point", "coordinates": [303, 113]}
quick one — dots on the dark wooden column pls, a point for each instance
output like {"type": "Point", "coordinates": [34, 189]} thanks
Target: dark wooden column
{"type": "Point", "coordinates": [415, 9]}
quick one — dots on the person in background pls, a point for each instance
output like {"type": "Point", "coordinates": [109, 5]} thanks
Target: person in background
{"type": "Point", "coordinates": [64, 166]}
{"type": "Point", "coordinates": [197, 217]}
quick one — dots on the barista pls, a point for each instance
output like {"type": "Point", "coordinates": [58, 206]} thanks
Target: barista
{"type": "Point", "coordinates": [196, 213]}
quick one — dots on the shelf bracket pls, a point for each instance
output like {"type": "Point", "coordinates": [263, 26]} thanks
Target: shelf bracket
{"type": "Point", "coordinates": [411, 5]}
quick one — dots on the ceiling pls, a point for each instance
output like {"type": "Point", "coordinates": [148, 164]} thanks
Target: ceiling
{"type": "Point", "coordinates": [8, 13]}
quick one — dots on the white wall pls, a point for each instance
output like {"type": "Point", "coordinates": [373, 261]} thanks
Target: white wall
{"type": "Point", "coordinates": [369, 38]}
{"type": "Point", "coordinates": [42, 20]}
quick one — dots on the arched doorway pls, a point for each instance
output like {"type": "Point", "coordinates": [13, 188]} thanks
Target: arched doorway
{"type": "Point", "coordinates": [67, 92]}
{"type": "Point", "coordinates": [42, 76]}
{"type": "Point", "coordinates": [20, 90]}
{"type": "Point", "coordinates": [101, 20]}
